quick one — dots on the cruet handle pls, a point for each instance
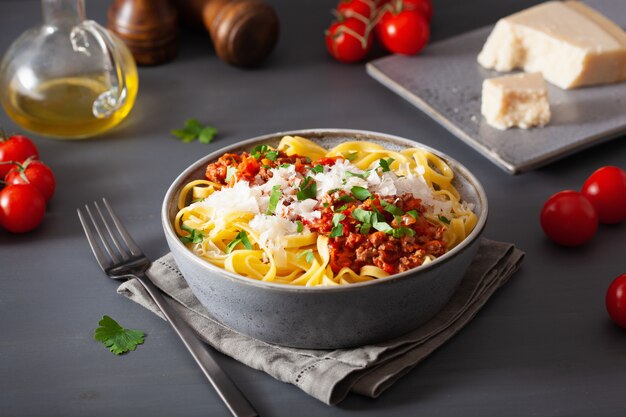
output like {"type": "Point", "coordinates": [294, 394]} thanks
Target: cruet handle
{"type": "Point", "coordinates": [111, 100]}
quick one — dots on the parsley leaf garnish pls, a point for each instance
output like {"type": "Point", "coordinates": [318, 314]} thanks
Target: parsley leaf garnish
{"type": "Point", "coordinates": [443, 219]}
{"type": "Point", "coordinates": [195, 130]}
{"type": "Point", "coordinates": [271, 155]}
{"type": "Point", "coordinates": [300, 226]}
{"type": "Point", "coordinates": [346, 198]}
{"type": "Point", "coordinates": [308, 254]}
{"type": "Point", "coordinates": [195, 235]}
{"type": "Point", "coordinates": [360, 193]}
{"type": "Point", "coordinates": [308, 189]}
{"type": "Point", "coordinates": [318, 169]}
{"type": "Point", "coordinates": [413, 213]}
{"type": "Point", "coordinates": [242, 238]}
{"type": "Point", "coordinates": [337, 226]}
{"type": "Point", "coordinates": [390, 208]}
{"type": "Point", "coordinates": [285, 166]}
{"type": "Point", "coordinates": [342, 208]}
{"type": "Point", "coordinates": [383, 227]}
{"type": "Point", "coordinates": [118, 339]}
{"type": "Point", "coordinates": [356, 174]}
{"type": "Point", "coordinates": [274, 197]}
{"type": "Point", "coordinates": [363, 216]}
{"type": "Point", "coordinates": [385, 164]}
{"type": "Point", "coordinates": [258, 150]}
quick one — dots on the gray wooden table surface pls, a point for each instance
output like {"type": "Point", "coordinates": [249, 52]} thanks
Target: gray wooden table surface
{"type": "Point", "coordinates": [542, 346]}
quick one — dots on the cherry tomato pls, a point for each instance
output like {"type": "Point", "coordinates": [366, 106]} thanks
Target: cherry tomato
{"type": "Point", "coordinates": [606, 189]}
{"type": "Point", "coordinates": [616, 301]}
{"type": "Point", "coordinates": [365, 8]}
{"type": "Point", "coordinates": [36, 173]}
{"type": "Point", "coordinates": [17, 148]}
{"type": "Point", "coordinates": [21, 208]}
{"type": "Point", "coordinates": [569, 219]}
{"type": "Point", "coordinates": [425, 7]}
{"type": "Point", "coordinates": [349, 40]}
{"type": "Point", "coordinates": [402, 31]}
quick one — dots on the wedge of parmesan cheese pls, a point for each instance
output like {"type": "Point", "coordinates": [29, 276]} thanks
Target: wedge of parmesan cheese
{"type": "Point", "coordinates": [519, 100]}
{"type": "Point", "coordinates": [571, 44]}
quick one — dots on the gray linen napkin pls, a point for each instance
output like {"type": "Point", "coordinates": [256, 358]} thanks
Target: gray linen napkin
{"type": "Point", "coordinates": [329, 375]}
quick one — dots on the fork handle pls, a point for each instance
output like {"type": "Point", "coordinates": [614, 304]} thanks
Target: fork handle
{"type": "Point", "coordinates": [236, 402]}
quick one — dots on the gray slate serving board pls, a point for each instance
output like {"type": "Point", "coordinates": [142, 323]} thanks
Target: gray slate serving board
{"type": "Point", "coordinates": [445, 82]}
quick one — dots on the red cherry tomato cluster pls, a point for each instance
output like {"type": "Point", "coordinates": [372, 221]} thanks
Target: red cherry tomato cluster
{"type": "Point", "coordinates": [402, 26]}
{"type": "Point", "coordinates": [28, 185]}
{"type": "Point", "coordinates": [570, 218]}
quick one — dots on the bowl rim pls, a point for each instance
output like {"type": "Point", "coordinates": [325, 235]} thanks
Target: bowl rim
{"type": "Point", "coordinates": [457, 168]}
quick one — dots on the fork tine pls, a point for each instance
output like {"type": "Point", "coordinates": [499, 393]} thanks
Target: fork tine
{"type": "Point", "coordinates": [122, 250]}
{"type": "Point", "coordinates": [102, 259]}
{"type": "Point", "coordinates": [134, 248]}
{"type": "Point", "coordinates": [103, 240]}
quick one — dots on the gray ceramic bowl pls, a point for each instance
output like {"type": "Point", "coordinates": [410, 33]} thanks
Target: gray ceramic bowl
{"type": "Point", "coordinates": [326, 317]}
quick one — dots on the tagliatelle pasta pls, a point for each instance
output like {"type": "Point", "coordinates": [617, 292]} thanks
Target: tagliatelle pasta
{"type": "Point", "coordinates": [304, 215]}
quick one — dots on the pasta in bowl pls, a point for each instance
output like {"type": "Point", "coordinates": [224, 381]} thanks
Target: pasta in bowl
{"type": "Point", "coordinates": [342, 223]}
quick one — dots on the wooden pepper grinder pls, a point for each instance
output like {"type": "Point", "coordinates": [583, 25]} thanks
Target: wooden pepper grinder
{"type": "Point", "coordinates": [148, 27]}
{"type": "Point", "coordinates": [243, 32]}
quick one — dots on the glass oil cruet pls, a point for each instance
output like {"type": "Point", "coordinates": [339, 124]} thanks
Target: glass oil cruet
{"type": "Point", "coordinates": [68, 78]}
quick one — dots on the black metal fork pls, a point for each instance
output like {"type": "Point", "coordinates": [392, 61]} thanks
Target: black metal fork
{"type": "Point", "coordinates": [122, 259]}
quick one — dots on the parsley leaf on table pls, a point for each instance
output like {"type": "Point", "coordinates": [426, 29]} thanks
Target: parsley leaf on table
{"type": "Point", "coordinates": [195, 130]}
{"type": "Point", "coordinates": [118, 339]}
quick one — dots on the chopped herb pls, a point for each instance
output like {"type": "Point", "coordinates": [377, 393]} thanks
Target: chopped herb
{"type": "Point", "coordinates": [230, 171]}
{"type": "Point", "coordinates": [390, 208]}
{"type": "Point", "coordinates": [267, 167]}
{"type": "Point", "coordinates": [318, 169]}
{"type": "Point", "coordinates": [346, 198]}
{"type": "Point", "coordinates": [285, 165]}
{"type": "Point", "coordinates": [326, 205]}
{"type": "Point", "coordinates": [118, 339]}
{"type": "Point", "coordinates": [402, 231]}
{"type": "Point", "coordinates": [351, 156]}
{"type": "Point", "coordinates": [195, 235]}
{"type": "Point", "coordinates": [300, 226]}
{"type": "Point", "coordinates": [308, 254]}
{"type": "Point", "coordinates": [413, 213]}
{"type": "Point", "coordinates": [308, 189]}
{"type": "Point", "coordinates": [363, 216]}
{"type": "Point", "coordinates": [272, 155]}
{"type": "Point", "coordinates": [385, 164]}
{"type": "Point", "coordinates": [365, 228]}
{"type": "Point", "coordinates": [443, 219]}
{"type": "Point", "coordinates": [337, 218]}
{"type": "Point", "coordinates": [342, 208]}
{"type": "Point", "coordinates": [379, 216]}
{"type": "Point", "coordinates": [333, 191]}
{"type": "Point", "coordinates": [383, 227]}
{"type": "Point", "coordinates": [258, 150]}
{"type": "Point", "coordinates": [337, 231]}
{"type": "Point", "coordinates": [242, 238]}
{"type": "Point", "coordinates": [356, 174]}
{"type": "Point", "coordinates": [274, 197]}
{"type": "Point", "coordinates": [195, 130]}
{"type": "Point", "coordinates": [360, 193]}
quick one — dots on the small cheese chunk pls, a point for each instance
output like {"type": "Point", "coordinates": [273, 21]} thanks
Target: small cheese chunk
{"type": "Point", "coordinates": [571, 44]}
{"type": "Point", "coordinates": [516, 100]}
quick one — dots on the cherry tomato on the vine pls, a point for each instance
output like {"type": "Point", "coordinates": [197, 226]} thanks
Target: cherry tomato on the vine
{"type": "Point", "coordinates": [616, 301]}
{"type": "Point", "coordinates": [606, 189]}
{"type": "Point", "coordinates": [365, 8]}
{"type": "Point", "coordinates": [21, 207]}
{"type": "Point", "coordinates": [401, 29]}
{"type": "Point", "coordinates": [425, 7]}
{"type": "Point", "coordinates": [569, 219]}
{"type": "Point", "coordinates": [349, 40]}
{"type": "Point", "coordinates": [36, 173]}
{"type": "Point", "coordinates": [16, 148]}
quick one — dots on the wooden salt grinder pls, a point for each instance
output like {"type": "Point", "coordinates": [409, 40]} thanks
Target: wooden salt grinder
{"type": "Point", "coordinates": [243, 32]}
{"type": "Point", "coordinates": [148, 27]}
